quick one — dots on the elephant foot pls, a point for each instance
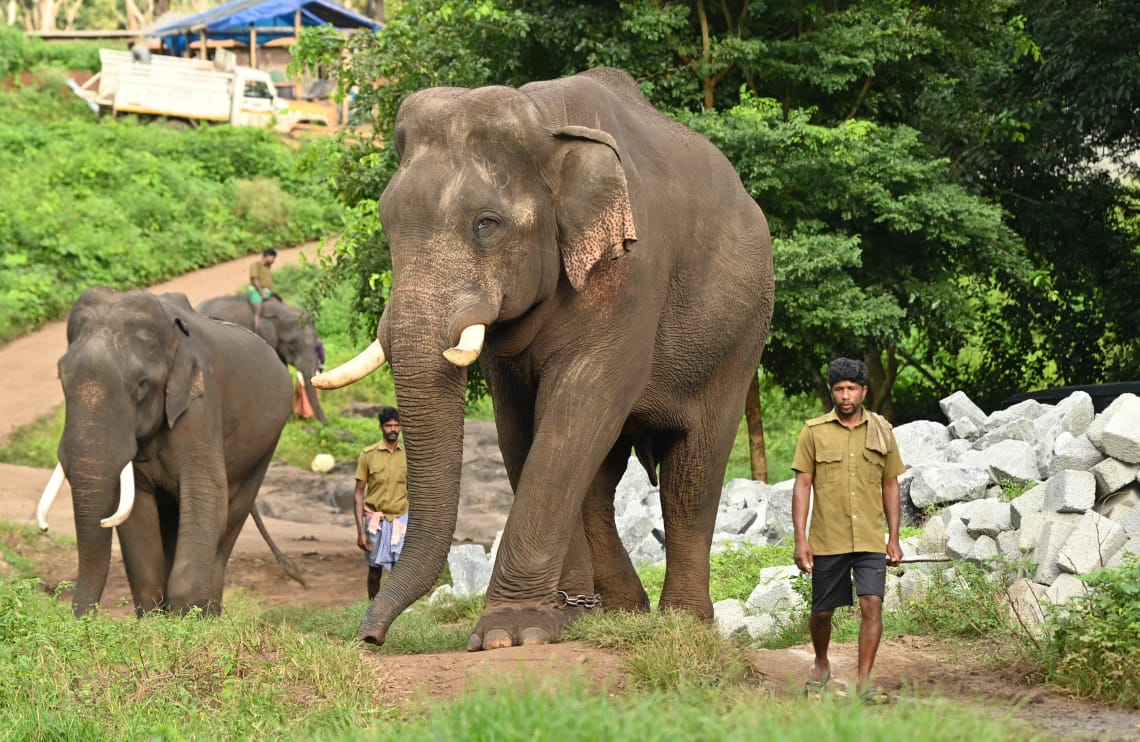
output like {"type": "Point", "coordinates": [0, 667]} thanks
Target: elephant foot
{"type": "Point", "coordinates": [498, 629]}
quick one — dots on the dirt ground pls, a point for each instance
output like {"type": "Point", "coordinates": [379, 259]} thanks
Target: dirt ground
{"type": "Point", "coordinates": [316, 532]}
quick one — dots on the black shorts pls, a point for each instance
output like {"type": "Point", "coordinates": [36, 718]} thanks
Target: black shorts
{"type": "Point", "coordinates": [831, 578]}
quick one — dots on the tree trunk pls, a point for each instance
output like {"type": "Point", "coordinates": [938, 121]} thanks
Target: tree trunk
{"type": "Point", "coordinates": [753, 415]}
{"type": "Point", "coordinates": [882, 380]}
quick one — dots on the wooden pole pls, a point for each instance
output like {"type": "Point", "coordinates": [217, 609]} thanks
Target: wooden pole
{"type": "Point", "coordinates": [253, 46]}
{"type": "Point", "coordinates": [202, 41]}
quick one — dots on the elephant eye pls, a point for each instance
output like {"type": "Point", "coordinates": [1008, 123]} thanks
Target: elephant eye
{"type": "Point", "coordinates": [484, 224]}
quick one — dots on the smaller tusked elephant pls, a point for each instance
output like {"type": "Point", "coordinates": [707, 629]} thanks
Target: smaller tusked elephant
{"type": "Point", "coordinates": [288, 330]}
{"type": "Point", "coordinates": [172, 419]}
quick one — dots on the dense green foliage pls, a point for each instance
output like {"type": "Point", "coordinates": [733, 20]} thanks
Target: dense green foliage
{"type": "Point", "coordinates": [1093, 647]}
{"type": "Point", "coordinates": [125, 205]}
{"type": "Point", "coordinates": [913, 176]}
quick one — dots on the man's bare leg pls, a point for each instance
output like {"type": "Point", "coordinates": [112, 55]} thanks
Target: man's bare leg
{"type": "Point", "coordinates": [870, 632]}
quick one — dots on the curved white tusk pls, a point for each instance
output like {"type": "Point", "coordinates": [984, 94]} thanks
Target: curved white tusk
{"type": "Point", "coordinates": [469, 346]}
{"type": "Point", "coordinates": [369, 359]}
{"type": "Point", "coordinates": [48, 497]}
{"type": "Point", "coordinates": [126, 497]}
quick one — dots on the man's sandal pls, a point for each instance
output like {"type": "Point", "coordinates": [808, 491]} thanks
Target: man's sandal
{"type": "Point", "coordinates": [873, 696]}
{"type": "Point", "coordinates": [815, 688]}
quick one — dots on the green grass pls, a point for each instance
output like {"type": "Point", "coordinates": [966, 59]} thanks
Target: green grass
{"type": "Point", "coordinates": [293, 674]}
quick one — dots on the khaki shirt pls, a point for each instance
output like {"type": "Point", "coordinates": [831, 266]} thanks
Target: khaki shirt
{"type": "Point", "coordinates": [847, 484]}
{"type": "Point", "coordinates": [262, 273]}
{"type": "Point", "coordinates": [386, 474]}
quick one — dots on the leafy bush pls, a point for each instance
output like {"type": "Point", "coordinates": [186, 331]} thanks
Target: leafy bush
{"type": "Point", "coordinates": [124, 205]}
{"type": "Point", "coordinates": [1093, 648]}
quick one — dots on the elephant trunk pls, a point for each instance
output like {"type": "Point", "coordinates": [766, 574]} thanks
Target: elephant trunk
{"type": "Point", "coordinates": [94, 497]}
{"type": "Point", "coordinates": [101, 474]}
{"type": "Point", "coordinates": [432, 401]}
{"type": "Point", "coordinates": [314, 399]}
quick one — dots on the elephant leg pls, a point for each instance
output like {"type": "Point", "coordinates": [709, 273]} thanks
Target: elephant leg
{"type": "Point", "coordinates": [615, 579]}
{"type": "Point", "coordinates": [692, 474]}
{"type": "Point", "coordinates": [140, 539]}
{"type": "Point", "coordinates": [202, 514]}
{"type": "Point", "coordinates": [522, 605]}
{"type": "Point", "coordinates": [242, 495]}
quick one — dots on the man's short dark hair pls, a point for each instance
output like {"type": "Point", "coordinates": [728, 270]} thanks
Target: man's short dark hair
{"type": "Point", "coordinates": [269, 251]}
{"type": "Point", "coordinates": [388, 414]}
{"type": "Point", "coordinates": [847, 369]}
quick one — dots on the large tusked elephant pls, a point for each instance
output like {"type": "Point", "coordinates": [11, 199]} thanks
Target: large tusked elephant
{"type": "Point", "coordinates": [287, 329]}
{"type": "Point", "coordinates": [171, 422]}
{"type": "Point", "coordinates": [614, 279]}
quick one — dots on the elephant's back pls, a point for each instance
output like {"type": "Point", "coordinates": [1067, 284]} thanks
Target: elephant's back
{"type": "Point", "coordinates": [234, 309]}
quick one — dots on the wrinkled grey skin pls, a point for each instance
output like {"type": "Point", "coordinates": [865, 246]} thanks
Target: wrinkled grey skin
{"type": "Point", "coordinates": [288, 330]}
{"type": "Point", "coordinates": [198, 406]}
{"type": "Point", "coordinates": [626, 279]}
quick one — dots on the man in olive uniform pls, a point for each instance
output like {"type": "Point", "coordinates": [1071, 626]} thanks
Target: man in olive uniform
{"type": "Point", "coordinates": [382, 515]}
{"type": "Point", "coordinates": [261, 283]}
{"type": "Point", "coordinates": [850, 458]}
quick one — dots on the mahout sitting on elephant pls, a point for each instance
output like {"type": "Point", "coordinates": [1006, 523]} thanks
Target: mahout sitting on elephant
{"type": "Point", "coordinates": [614, 279]}
{"type": "Point", "coordinates": [288, 330]}
{"type": "Point", "coordinates": [172, 419]}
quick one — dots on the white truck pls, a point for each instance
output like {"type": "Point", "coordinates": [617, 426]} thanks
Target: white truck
{"type": "Point", "coordinates": [191, 91]}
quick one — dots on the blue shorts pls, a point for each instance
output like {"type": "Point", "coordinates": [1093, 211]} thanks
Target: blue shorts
{"type": "Point", "coordinates": [831, 578]}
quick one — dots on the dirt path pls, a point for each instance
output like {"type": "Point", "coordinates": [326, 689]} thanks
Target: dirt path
{"type": "Point", "coordinates": [323, 546]}
{"type": "Point", "coordinates": [28, 363]}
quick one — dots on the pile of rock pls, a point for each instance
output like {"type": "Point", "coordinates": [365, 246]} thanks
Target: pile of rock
{"type": "Point", "coordinates": [1078, 472]}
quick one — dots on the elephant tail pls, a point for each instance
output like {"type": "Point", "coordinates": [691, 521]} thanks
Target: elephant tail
{"type": "Point", "coordinates": [286, 564]}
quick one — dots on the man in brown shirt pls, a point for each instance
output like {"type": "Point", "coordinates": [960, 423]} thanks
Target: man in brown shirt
{"type": "Point", "coordinates": [382, 516]}
{"type": "Point", "coordinates": [850, 458]}
{"type": "Point", "coordinates": [261, 283]}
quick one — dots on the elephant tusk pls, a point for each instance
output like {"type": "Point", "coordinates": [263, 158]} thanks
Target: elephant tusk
{"type": "Point", "coordinates": [48, 497]}
{"type": "Point", "coordinates": [469, 346]}
{"type": "Point", "coordinates": [370, 359]}
{"type": "Point", "coordinates": [126, 497]}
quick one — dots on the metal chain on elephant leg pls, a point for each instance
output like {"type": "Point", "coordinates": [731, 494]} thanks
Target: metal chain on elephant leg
{"type": "Point", "coordinates": [584, 601]}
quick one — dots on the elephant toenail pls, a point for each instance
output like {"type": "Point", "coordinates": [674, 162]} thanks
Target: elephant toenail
{"type": "Point", "coordinates": [534, 635]}
{"type": "Point", "coordinates": [475, 643]}
{"type": "Point", "coordinates": [497, 639]}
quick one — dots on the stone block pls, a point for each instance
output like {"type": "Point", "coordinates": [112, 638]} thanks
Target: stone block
{"type": "Point", "coordinates": [736, 521]}
{"type": "Point", "coordinates": [1090, 545]}
{"type": "Point", "coordinates": [741, 494]}
{"type": "Point", "coordinates": [1010, 459]}
{"type": "Point", "coordinates": [729, 616]}
{"type": "Point", "coordinates": [1031, 501]}
{"type": "Point", "coordinates": [1113, 475]}
{"type": "Point", "coordinates": [1096, 429]}
{"type": "Point", "coordinates": [1065, 588]}
{"type": "Point", "coordinates": [1026, 604]}
{"type": "Point", "coordinates": [985, 549]}
{"type": "Point", "coordinates": [933, 537]}
{"type": "Point", "coordinates": [1074, 453]}
{"type": "Point", "coordinates": [959, 405]}
{"type": "Point", "coordinates": [922, 441]}
{"type": "Point", "coordinates": [1131, 548]}
{"type": "Point", "coordinates": [1070, 492]}
{"type": "Point", "coordinates": [939, 484]}
{"type": "Point", "coordinates": [1121, 436]}
{"type": "Point", "coordinates": [1009, 545]}
{"type": "Point", "coordinates": [470, 569]}
{"type": "Point", "coordinates": [959, 543]}
{"type": "Point", "coordinates": [1053, 535]}
{"type": "Point", "coordinates": [990, 519]}
{"type": "Point", "coordinates": [964, 429]}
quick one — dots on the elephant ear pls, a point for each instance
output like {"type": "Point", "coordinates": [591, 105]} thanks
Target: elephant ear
{"type": "Point", "coordinates": [592, 204]}
{"type": "Point", "coordinates": [185, 380]}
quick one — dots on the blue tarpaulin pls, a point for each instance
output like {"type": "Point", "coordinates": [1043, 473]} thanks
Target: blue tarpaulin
{"type": "Point", "coordinates": [272, 19]}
